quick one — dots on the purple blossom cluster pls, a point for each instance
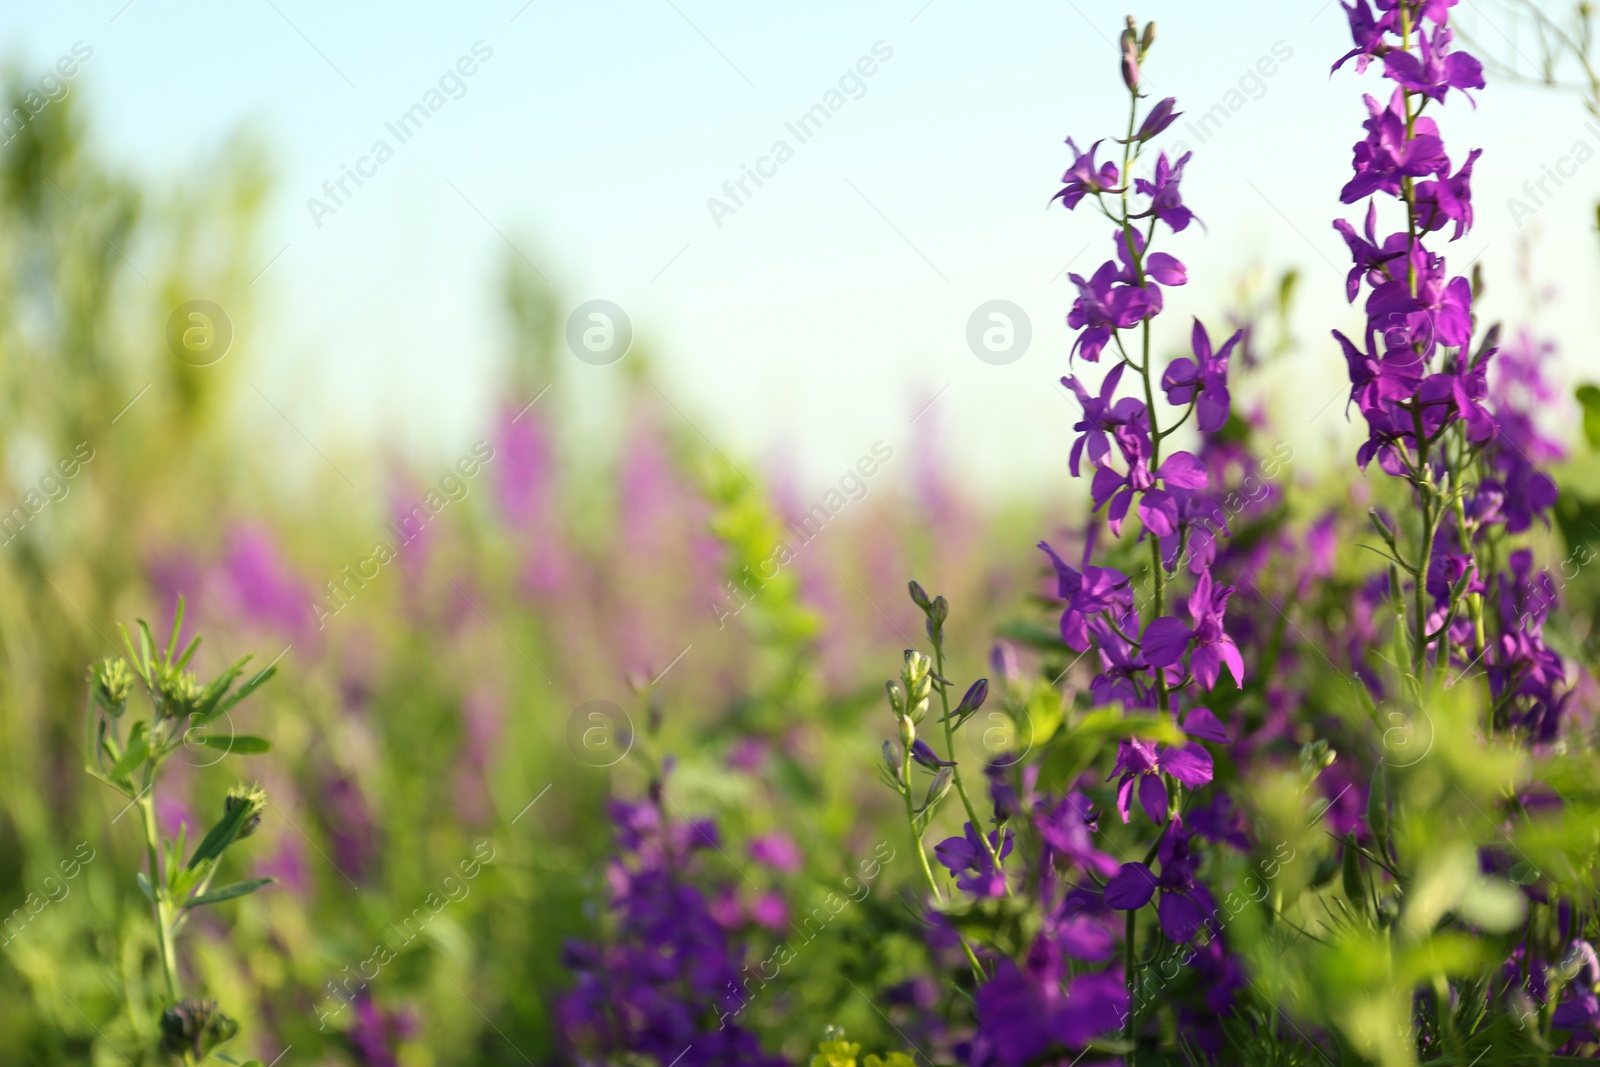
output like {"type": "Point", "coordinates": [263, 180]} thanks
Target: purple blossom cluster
{"type": "Point", "coordinates": [1423, 389]}
{"type": "Point", "coordinates": [667, 980]}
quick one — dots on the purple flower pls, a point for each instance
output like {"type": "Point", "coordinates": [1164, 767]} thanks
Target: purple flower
{"type": "Point", "coordinates": [967, 859]}
{"type": "Point", "coordinates": [1446, 199]}
{"type": "Point", "coordinates": [1105, 304]}
{"type": "Point", "coordinates": [1068, 827]}
{"type": "Point", "coordinates": [1141, 763]}
{"type": "Point", "coordinates": [924, 754]}
{"type": "Point", "coordinates": [1185, 904]}
{"type": "Point", "coordinates": [1160, 117]}
{"type": "Point", "coordinates": [1166, 204]}
{"type": "Point", "coordinates": [1439, 312]}
{"type": "Point", "coordinates": [1437, 70]}
{"type": "Point", "coordinates": [1368, 31]}
{"type": "Point", "coordinates": [1102, 415]}
{"type": "Point", "coordinates": [1370, 259]}
{"type": "Point", "coordinates": [1095, 590]}
{"type": "Point", "coordinates": [1389, 154]}
{"type": "Point", "coordinates": [1203, 379]}
{"type": "Point", "coordinates": [778, 851]}
{"type": "Point", "coordinates": [1023, 1013]}
{"type": "Point", "coordinates": [1083, 178]}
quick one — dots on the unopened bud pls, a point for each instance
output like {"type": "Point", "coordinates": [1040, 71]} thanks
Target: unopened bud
{"type": "Point", "coordinates": [193, 1027]}
{"type": "Point", "coordinates": [919, 595]}
{"type": "Point", "coordinates": [253, 799]}
{"type": "Point", "coordinates": [1149, 37]}
{"type": "Point", "coordinates": [111, 681]}
{"type": "Point", "coordinates": [897, 700]}
{"type": "Point", "coordinates": [1381, 525]}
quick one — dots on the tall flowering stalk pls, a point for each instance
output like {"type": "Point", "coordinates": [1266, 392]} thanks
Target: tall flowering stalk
{"type": "Point", "coordinates": [1463, 594]}
{"type": "Point", "coordinates": [175, 883]}
{"type": "Point", "coordinates": [1165, 663]}
{"type": "Point", "coordinates": [1059, 989]}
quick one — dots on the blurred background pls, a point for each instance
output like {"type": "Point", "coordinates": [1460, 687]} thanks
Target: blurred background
{"type": "Point", "coordinates": [402, 465]}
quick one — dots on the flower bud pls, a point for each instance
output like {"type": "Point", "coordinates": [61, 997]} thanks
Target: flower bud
{"type": "Point", "coordinates": [1378, 808]}
{"type": "Point", "coordinates": [891, 758]}
{"type": "Point", "coordinates": [897, 700]}
{"type": "Point", "coordinates": [919, 710]}
{"type": "Point", "coordinates": [919, 595]}
{"type": "Point", "coordinates": [908, 732]}
{"type": "Point", "coordinates": [939, 787]}
{"type": "Point", "coordinates": [939, 609]}
{"type": "Point", "coordinates": [916, 669]}
{"type": "Point", "coordinates": [1149, 37]}
{"type": "Point", "coordinates": [253, 799]}
{"type": "Point", "coordinates": [177, 693]}
{"type": "Point", "coordinates": [111, 681]}
{"type": "Point", "coordinates": [1382, 526]}
{"type": "Point", "coordinates": [193, 1027]}
{"type": "Point", "coordinates": [1354, 889]}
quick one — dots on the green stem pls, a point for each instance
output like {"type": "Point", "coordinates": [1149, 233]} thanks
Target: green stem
{"type": "Point", "coordinates": [955, 772]}
{"type": "Point", "coordinates": [158, 889]}
{"type": "Point", "coordinates": [922, 860]}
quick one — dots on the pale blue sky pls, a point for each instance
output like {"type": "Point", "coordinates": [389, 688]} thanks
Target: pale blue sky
{"type": "Point", "coordinates": [817, 317]}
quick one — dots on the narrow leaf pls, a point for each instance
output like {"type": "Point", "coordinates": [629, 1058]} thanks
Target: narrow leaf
{"type": "Point", "coordinates": [177, 626]}
{"type": "Point", "coordinates": [238, 889]}
{"type": "Point", "coordinates": [239, 744]}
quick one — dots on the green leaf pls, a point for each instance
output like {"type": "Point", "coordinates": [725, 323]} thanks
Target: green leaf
{"type": "Point", "coordinates": [146, 643]}
{"type": "Point", "coordinates": [256, 682]}
{"type": "Point", "coordinates": [144, 886]}
{"type": "Point", "coordinates": [138, 751]}
{"type": "Point", "coordinates": [239, 744]}
{"type": "Point", "coordinates": [177, 625]}
{"type": "Point", "coordinates": [238, 889]}
{"type": "Point", "coordinates": [133, 656]}
{"type": "Point", "coordinates": [1589, 397]}
{"type": "Point", "coordinates": [188, 653]}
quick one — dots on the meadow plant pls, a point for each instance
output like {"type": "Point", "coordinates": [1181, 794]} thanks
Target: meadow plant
{"type": "Point", "coordinates": [129, 756]}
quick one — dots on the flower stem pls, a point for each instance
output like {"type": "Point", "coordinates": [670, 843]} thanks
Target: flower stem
{"type": "Point", "coordinates": [158, 890]}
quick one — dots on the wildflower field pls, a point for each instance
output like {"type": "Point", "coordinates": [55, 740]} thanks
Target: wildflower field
{"type": "Point", "coordinates": [1240, 749]}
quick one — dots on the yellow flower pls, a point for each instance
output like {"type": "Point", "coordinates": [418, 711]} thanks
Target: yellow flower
{"type": "Point", "coordinates": [837, 1054]}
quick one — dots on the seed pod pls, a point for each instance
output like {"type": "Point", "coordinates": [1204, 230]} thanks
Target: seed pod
{"type": "Point", "coordinates": [1354, 888]}
{"type": "Point", "coordinates": [1378, 808]}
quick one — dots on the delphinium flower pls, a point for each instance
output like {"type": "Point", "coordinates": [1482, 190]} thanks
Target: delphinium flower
{"type": "Point", "coordinates": [671, 978]}
{"type": "Point", "coordinates": [1159, 649]}
{"type": "Point", "coordinates": [1469, 452]}
{"type": "Point", "coordinates": [1451, 415]}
